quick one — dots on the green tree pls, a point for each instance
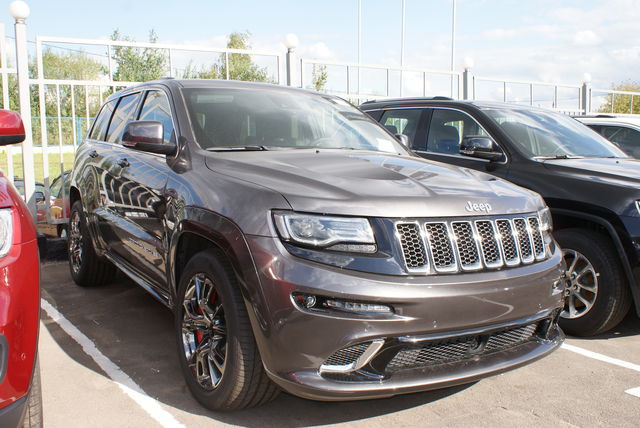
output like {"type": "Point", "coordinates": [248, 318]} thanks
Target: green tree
{"type": "Point", "coordinates": [241, 66]}
{"type": "Point", "coordinates": [622, 103]}
{"type": "Point", "coordinates": [138, 64]}
{"type": "Point", "coordinates": [319, 77]}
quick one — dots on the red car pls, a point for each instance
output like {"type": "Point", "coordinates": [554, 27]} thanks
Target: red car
{"type": "Point", "coordinates": [20, 394]}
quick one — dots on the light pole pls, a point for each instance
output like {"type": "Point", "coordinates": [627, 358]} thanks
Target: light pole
{"type": "Point", "coordinates": [402, 44]}
{"type": "Point", "coordinates": [19, 10]}
{"type": "Point", "coordinates": [453, 42]}
{"type": "Point", "coordinates": [586, 94]}
{"type": "Point", "coordinates": [467, 79]}
{"type": "Point", "coordinates": [291, 43]}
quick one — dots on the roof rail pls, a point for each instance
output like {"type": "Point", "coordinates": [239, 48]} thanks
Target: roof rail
{"type": "Point", "coordinates": [436, 98]}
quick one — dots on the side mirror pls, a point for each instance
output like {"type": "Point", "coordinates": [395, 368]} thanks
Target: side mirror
{"type": "Point", "coordinates": [39, 197]}
{"type": "Point", "coordinates": [11, 128]}
{"type": "Point", "coordinates": [478, 146]}
{"type": "Point", "coordinates": [147, 136]}
{"type": "Point", "coordinates": [403, 139]}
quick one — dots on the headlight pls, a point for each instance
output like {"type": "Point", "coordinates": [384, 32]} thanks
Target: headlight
{"type": "Point", "coordinates": [546, 221]}
{"type": "Point", "coordinates": [6, 231]}
{"type": "Point", "coordinates": [331, 233]}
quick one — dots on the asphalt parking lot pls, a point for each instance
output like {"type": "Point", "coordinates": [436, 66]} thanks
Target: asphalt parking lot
{"type": "Point", "coordinates": [108, 358]}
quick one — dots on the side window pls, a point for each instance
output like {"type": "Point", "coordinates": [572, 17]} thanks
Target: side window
{"type": "Point", "coordinates": [156, 107]}
{"type": "Point", "coordinates": [447, 129]}
{"type": "Point", "coordinates": [56, 187]}
{"type": "Point", "coordinates": [628, 139]}
{"type": "Point", "coordinates": [124, 114]}
{"type": "Point", "coordinates": [403, 122]}
{"type": "Point", "coordinates": [102, 121]}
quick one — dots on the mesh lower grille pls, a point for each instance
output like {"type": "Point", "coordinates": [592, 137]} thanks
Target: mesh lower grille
{"type": "Point", "coordinates": [347, 356]}
{"type": "Point", "coordinates": [443, 352]}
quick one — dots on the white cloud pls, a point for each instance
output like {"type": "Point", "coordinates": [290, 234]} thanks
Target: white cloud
{"type": "Point", "coordinates": [500, 33]}
{"type": "Point", "coordinates": [586, 38]}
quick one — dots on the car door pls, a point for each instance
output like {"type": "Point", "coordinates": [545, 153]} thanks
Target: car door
{"type": "Point", "coordinates": [445, 130]}
{"type": "Point", "coordinates": [409, 122]}
{"type": "Point", "coordinates": [94, 172]}
{"type": "Point", "coordinates": [141, 206]}
{"type": "Point", "coordinates": [627, 138]}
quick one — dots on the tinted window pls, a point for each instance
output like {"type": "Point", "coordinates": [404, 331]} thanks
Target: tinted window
{"type": "Point", "coordinates": [55, 187]}
{"type": "Point", "coordinates": [447, 129]}
{"type": "Point", "coordinates": [156, 107]}
{"type": "Point", "coordinates": [403, 122]}
{"type": "Point", "coordinates": [102, 121]}
{"type": "Point", "coordinates": [628, 139]}
{"type": "Point", "coordinates": [547, 134]}
{"type": "Point", "coordinates": [223, 118]}
{"type": "Point", "coordinates": [123, 115]}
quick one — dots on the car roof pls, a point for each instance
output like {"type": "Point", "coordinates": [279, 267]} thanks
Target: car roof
{"type": "Point", "coordinates": [610, 118]}
{"type": "Point", "coordinates": [442, 101]}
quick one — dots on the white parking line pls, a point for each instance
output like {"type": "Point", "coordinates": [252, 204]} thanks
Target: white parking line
{"type": "Point", "coordinates": [596, 356]}
{"type": "Point", "coordinates": [126, 384]}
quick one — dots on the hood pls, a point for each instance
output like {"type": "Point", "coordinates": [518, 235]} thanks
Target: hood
{"type": "Point", "coordinates": [621, 172]}
{"type": "Point", "coordinates": [374, 184]}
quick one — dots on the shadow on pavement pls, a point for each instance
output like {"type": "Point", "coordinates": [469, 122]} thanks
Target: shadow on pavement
{"type": "Point", "coordinates": [136, 333]}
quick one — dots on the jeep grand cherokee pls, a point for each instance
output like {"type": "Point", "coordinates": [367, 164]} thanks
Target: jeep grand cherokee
{"type": "Point", "coordinates": [301, 246]}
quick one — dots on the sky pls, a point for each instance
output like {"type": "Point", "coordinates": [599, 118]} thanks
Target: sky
{"type": "Point", "coordinates": [540, 40]}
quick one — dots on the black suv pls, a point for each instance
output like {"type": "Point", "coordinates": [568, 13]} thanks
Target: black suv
{"type": "Point", "coordinates": [299, 244]}
{"type": "Point", "coordinates": [592, 188]}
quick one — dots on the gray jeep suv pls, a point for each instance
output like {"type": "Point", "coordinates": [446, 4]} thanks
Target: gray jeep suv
{"type": "Point", "coordinates": [301, 246]}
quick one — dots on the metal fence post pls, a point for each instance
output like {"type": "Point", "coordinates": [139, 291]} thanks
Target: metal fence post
{"type": "Point", "coordinates": [20, 12]}
{"type": "Point", "coordinates": [467, 84]}
{"type": "Point", "coordinates": [585, 94]}
{"type": "Point", "coordinates": [291, 43]}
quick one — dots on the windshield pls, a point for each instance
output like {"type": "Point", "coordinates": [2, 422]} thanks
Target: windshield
{"type": "Point", "coordinates": [224, 118]}
{"type": "Point", "coordinates": [551, 135]}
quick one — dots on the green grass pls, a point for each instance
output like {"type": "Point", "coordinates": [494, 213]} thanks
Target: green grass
{"type": "Point", "coordinates": [54, 164]}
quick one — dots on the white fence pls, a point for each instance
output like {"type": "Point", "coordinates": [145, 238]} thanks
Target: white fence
{"type": "Point", "coordinates": [62, 109]}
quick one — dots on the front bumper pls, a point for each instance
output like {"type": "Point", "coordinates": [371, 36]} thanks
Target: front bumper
{"type": "Point", "coordinates": [295, 342]}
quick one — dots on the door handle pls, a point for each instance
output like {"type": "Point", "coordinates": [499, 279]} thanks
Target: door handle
{"type": "Point", "coordinates": [123, 163]}
{"type": "Point", "coordinates": [93, 154]}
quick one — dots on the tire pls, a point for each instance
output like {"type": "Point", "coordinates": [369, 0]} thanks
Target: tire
{"type": "Point", "coordinates": [594, 273]}
{"type": "Point", "coordinates": [231, 372]}
{"type": "Point", "coordinates": [87, 268]}
{"type": "Point", "coordinates": [33, 412]}
{"type": "Point", "coordinates": [61, 231]}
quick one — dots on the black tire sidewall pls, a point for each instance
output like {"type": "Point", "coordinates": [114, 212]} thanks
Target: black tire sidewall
{"type": "Point", "coordinates": [81, 275]}
{"type": "Point", "coordinates": [612, 288]}
{"type": "Point", "coordinates": [207, 263]}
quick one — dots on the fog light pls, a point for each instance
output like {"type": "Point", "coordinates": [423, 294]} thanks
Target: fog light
{"type": "Point", "coordinates": [307, 301]}
{"type": "Point", "coordinates": [345, 305]}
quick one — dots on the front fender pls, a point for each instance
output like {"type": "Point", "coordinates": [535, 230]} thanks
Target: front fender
{"type": "Point", "coordinates": [227, 237]}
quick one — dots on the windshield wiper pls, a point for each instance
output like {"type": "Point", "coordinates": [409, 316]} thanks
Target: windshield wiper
{"type": "Point", "coordinates": [558, 157]}
{"type": "Point", "coordinates": [237, 149]}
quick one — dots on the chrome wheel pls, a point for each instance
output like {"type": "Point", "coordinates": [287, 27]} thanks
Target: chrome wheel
{"type": "Point", "coordinates": [75, 242]}
{"type": "Point", "coordinates": [204, 334]}
{"type": "Point", "coordinates": [582, 285]}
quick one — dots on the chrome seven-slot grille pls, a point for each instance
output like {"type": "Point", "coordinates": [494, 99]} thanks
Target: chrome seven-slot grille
{"type": "Point", "coordinates": [470, 244]}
